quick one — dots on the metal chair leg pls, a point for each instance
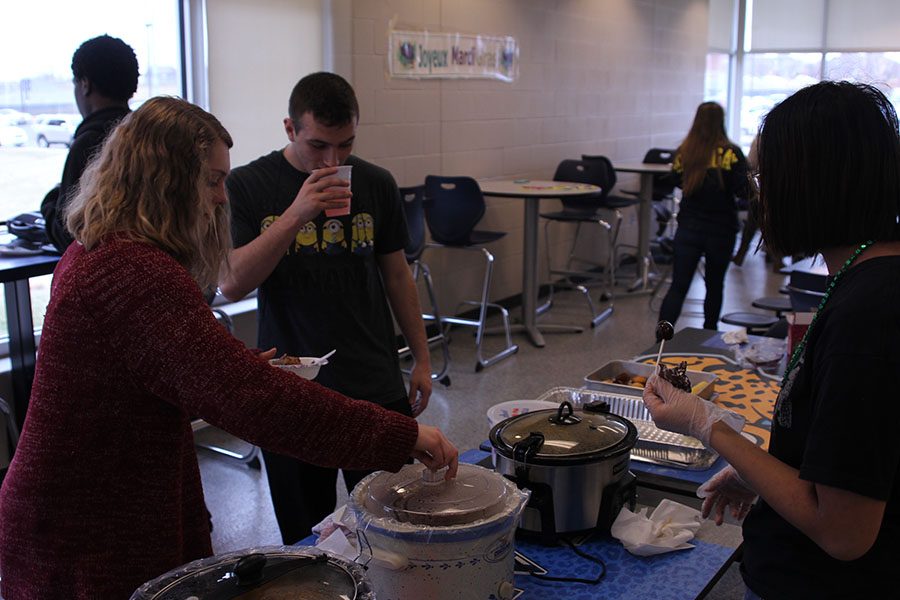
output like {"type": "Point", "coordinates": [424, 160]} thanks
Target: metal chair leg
{"type": "Point", "coordinates": [569, 272]}
{"type": "Point", "coordinates": [420, 268]}
{"type": "Point", "coordinates": [480, 323]}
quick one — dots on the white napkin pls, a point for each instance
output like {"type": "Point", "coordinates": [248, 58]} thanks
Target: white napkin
{"type": "Point", "coordinates": [337, 534]}
{"type": "Point", "coordinates": [735, 336]}
{"type": "Point", "coordinates": [669, 528]}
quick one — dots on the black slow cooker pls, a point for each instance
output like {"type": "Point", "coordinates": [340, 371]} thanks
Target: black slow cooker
{"type": "Point", "coordinates": [574, 461]}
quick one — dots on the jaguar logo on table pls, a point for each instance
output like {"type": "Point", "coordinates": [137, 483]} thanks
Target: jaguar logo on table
{"type": "Point", "coordinates": [429, 55]}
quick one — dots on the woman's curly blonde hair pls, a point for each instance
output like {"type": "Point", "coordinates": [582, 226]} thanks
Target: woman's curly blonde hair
{"type": "Point", "coordinates": [147, 184]}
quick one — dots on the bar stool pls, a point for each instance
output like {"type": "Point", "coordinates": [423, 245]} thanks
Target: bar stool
{"type": "Point", "coordinates": [755, 323]}
{"type": "Point", "coordinates": [453, 207]}
{"type": "Point", "coordinates": [777, 304]}
{"type": "Point", "coordinates": [415, 222]}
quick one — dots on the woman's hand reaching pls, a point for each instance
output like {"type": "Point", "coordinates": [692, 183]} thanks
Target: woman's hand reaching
{"type": "Point", "coordinates": [723, 490]}
{"type": "Point", "coordinates": [435, 451]}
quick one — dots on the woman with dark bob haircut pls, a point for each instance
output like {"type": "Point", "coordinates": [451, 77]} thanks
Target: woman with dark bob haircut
{"type": "Point", "coordinates": [827, 522]}
{"type": "Point", "coordinates": [104, 491]}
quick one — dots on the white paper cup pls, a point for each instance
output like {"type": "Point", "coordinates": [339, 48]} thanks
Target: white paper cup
{"type": "Point", "coordinates": [343, 172]}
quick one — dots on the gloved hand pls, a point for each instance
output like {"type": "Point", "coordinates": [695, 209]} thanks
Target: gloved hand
{"type": "Point", "coordinates": [724, 489]}
{"type": "Point", "coordinates": [682, 412]}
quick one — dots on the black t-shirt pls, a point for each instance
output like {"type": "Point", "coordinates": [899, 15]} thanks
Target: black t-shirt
{"type": "Point", "coordinates": [712, 207]}
{"type": "Point", "coordinates": [326, 292]}
{"type": "Point", "coordinates": [838, 425]}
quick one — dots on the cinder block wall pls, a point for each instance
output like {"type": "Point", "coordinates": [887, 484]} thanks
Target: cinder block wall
{"type": "Point", "coordinates": [612, 77]}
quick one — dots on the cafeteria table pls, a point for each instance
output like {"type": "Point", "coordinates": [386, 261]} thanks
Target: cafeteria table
{"type": "Point", "coordinates": [679, 575]}
{"type": "Point", "coordinates": [531, 192]}
{"type": "Point", "coordinates": [646, 171]}
{"type": "Point", "coordinates": [14, 274]}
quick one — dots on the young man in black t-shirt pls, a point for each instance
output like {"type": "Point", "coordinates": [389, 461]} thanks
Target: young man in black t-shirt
{"type": "Point", "coordinates": [326, 282]}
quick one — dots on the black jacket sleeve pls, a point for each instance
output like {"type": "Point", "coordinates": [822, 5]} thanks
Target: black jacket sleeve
{"type": "Point", "coordinates": [52, 208]}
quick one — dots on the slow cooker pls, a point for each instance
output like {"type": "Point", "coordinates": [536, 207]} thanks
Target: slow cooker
{"type": "Point", "coordinates": [423, 537]}
{"type": "Point", "coordinates": [575, 463]}
{"type": "Point", "coordinates": [267, 573]}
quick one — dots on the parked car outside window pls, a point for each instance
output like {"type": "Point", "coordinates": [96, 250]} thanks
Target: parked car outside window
{"type": "Point", "coordinates": [55, 129]}
{"type": "Point", "coordinates": [10, 135]}
{"type": "Point", "coordinates": [10, 116]}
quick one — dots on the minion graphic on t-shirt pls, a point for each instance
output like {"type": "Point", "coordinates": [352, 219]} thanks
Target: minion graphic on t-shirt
{"type": "Point", "coordinates": [306, 242]}
{"type": "Point", "coordinates": [362, 234]}
{"type": "Point", "coordinates": [333, 241]}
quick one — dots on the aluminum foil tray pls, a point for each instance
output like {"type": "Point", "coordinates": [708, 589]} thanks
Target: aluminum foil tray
{"type": "Point", "coordinates": [703, 383]}
{"type": "Point", "coordinates": [654, 445]}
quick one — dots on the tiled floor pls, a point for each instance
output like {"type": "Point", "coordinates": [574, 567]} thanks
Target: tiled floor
{"type": "Point", "coordinates": [238, 498]}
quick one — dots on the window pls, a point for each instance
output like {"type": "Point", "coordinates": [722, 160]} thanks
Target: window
{"type": "Point", "coordinates": [38, 114]}
{"type": "Point", "coordinates": [881, 69]}
{"type": "Point", "coordinates": [779, 47]}
{"type": "Point", "coordinates": [768, 79]}
{"type": "Point", "coordinates": [715, 86]}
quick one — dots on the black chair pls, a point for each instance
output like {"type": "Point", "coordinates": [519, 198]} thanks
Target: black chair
{"type": "Point", "coordinates": [662, 187]}
{"type": "Point", "coordinates": [453, 207]}
{"type": "Point", "coordinates": [614, 202]}
{"type": "Point", "coordinates": [580, 211]}
{"type": "Point", "coordinates": [415, 223]}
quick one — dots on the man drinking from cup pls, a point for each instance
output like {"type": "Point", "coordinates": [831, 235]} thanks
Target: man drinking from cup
{"type": "Point", "coordinates": [319, 260]}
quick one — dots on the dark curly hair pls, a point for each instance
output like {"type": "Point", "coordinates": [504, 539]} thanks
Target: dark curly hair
{"type": "Point", "coordinates": [109, 64]}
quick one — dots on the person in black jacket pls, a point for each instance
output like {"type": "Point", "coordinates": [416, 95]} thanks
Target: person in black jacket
{"type": "Point", "coordinates": [105, 76]}
{"type": "Point", "coordinates": [712, 173]}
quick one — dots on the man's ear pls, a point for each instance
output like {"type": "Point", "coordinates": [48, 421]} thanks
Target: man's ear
{"type": "Point", "coordinates": [86, 86]}
{"type": "Point", "coordinates": [289, 128]}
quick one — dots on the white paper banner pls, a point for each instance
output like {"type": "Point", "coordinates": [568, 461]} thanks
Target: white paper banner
{"type": "Point", "coordinates": [425, 55]}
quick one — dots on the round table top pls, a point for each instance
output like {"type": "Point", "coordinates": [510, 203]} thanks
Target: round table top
{"type": "Point", "coordinates": [535, 188]}
{"type": "Point", "coordinates": [641, 167]}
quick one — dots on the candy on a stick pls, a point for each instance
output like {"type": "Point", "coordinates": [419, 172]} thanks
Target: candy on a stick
{"type": "Point", "coordinates": [664, 331]}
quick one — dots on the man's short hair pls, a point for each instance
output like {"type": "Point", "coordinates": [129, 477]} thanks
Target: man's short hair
{"type": "Point", "coordinates": [109, 64]}
{"type": "Point", "coordinates": [327, 96]}
{"type": "Point", "coordinates": [829, 169]}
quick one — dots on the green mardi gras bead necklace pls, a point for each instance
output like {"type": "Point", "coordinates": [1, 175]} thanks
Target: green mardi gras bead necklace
{"type": "Point", "coordinates": [798, 351]}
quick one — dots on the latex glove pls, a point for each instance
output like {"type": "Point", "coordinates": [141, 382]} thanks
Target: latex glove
{"type": "Point", "coordinates": [724, 489]}
{"type": "Point", "coordinates": [682, 412]}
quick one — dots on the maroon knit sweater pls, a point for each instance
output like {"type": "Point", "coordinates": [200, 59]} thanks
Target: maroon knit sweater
{"type": "Point", "coordinates": [104, 491]}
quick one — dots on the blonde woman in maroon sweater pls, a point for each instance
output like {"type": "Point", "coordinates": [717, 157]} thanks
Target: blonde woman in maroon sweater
{"type": "Point", "coordinates": [104, 491]}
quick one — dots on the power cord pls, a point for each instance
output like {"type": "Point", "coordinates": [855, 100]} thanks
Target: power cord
{"type": "Point", "coordinates": [594, 559]}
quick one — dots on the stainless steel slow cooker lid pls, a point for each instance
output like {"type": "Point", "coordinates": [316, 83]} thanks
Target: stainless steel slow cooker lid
{"type": "Point", "coordinates": [416, 495]}
{"type": "Point", "coordinates": [261, 574]}
{"type": "Point", "coordinates": [564, 434]}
